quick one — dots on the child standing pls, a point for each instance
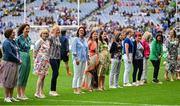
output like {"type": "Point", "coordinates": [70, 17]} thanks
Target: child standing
{"type": "Point", "coordinates": [41, 63]}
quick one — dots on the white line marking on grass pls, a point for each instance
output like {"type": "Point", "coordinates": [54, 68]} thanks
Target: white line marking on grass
{"type": "Point", "coordinates": [98, 102]}
{"type": "Point", "coordinates": [108, 103]}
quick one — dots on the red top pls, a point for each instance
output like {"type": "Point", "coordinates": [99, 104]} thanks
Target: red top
{"type": "Point", "coordinates": [92, 47]}
{"type": "Point", "coordinates": [146, 48]}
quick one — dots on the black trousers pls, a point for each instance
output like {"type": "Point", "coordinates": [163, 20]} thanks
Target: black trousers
{"type": "Point", "coordinates": [138, 65]}
{"type": "Point", "coordinates": [55, 64]}
{"type": "Point", "coordinates": [156, 64]}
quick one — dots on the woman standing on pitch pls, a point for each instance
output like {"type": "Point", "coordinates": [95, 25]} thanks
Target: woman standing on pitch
{"type": "Point", "coordinates": [91, 70]}
{"type": "Point", "coordinates": [54, 53]}
{"type": "Point", "coordinates": [116, 56]}
{"type": "Point", "coordinates": [138, 55]}
{"type": "Point", "coordinates": [23, 42]}
{"type": "Point", "coordinates": [128, 50]}
{"type": "Point", "coordinates": [145, 42]}
{"type": "Point", "coordinates": [155, 56]}
{"type": "Point", "coordinates": [41, 62]}
{"type": "Point", "coordinates": [172, 49]}
{"type": "Point", "coordinates": [104, 59]}
{"type": "Point", "coordinates": [80, 58]}
{"type": "Point", "coordinates": [9, 69]}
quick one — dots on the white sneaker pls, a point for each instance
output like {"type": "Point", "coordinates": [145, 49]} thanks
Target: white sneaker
{"type": "Point", "coordinates": [7, 100]}
{"type": "Point", "coordinates": [135, 84]}
{"type": "Point", "coordinates": [112, 87]}
{"type": "Point", "coordinates": [43, 96]}
{"type": "Point", "coordinates": [25, 98]}
{"type": "Point", "coordinates": [127, 84]}
{"type": "Point", "coordinates": [119, 86]}
{"type": "Point", "coordinates": [39, 96]}
{"type": "Point", "coordinates": [141, 82]}
{"type": "Point", "coordinates": [53, 93]}
{"type": "Point", "coordinates": [14, 99]}
{"type": "Point", "coordinates": [20, 98]}
{"type": "Point", "coordinates": [77, 93]}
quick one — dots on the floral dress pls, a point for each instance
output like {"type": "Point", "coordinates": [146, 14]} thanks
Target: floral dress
{"type": "Point", "coordinates": [41, 55]}
{"type": "Point", "coordinates": [172, 48]}
{"type": "Point", "coordinates": [104, 59]}
{"type": "Point", "coordinates": [178, 62]}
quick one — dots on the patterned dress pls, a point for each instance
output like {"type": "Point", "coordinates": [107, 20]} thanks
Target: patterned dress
{"type": "Point", "coordinates": [41, 62]}
{"type": "Point", "coordinates": [24, 45]}
{"type": "Point", "coordinates": [104, 59]}
{"type": "Point", "coordinates": [89, 78]}
{"type": "Point", "coordinates": [178, 62]}
{"type": "Point", "coordinates": [172, 48]}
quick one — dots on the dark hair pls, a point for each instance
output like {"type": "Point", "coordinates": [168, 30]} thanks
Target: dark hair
{"type": "Point", "coordinates": [174, 32]}
{"type": "Point", "coordinates": [63, 32]}
{"type": "Point", "coordinates": [21, 28]}
{"type": "Point", "coordinates": [8, 33]}
{"type": "Point", "coordinates": [90, 37]}
{"type": "Point", "coordinates": [77, 34]}
{"type": "Point", "coordinates": [117, 38]}
{"type": "Point", "coordinates": [159, 34]}
{"type": "Point", "coordinates": [101, 39]}
{"type": "Point", "coordinates": [0, 53]}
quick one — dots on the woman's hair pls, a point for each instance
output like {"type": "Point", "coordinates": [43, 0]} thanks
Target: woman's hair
{"type": "Point", "coordinates": [8, 33]}
{"type": "Point", "coordinates": [54, 27]}
{"type": "Point", "coordinates": [174, 33]}
{"type": "Point", "coordinates": [90, 37]}
{"type": "Point", "coordinates": [159, 34]}
{"type": "Point", "coordinates": [117, 38]}
{"type": "Point", "coordinates": [0, 53]}
{"type": "Point", "coordinates": [129, 30]}
{"type": "Point", "coordinates": [43, 31]}
{"type": "Point", "coordinates": [101, 38]}
{"type": "Point", "coordinates": [147, 36]}
{"type": "Point", "coordinates": [77, 34]}
{"type": "Point", "coordinates": [63, 32]}
{"type": "Point", "coordinates": [21, 29]}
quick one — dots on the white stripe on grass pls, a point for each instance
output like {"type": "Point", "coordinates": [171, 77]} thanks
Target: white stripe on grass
{"type": "Point", "coordinates": [107, 103]}
{"type": "Point", "coordinates": [97, 102]}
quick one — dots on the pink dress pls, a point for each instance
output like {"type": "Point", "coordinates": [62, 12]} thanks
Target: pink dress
{"type": "Point", "coordinates": [41, 53]}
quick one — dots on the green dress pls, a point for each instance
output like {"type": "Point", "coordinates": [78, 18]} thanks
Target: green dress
{"type": "Point", "coordinates": [24, 45]}
{"type": "Point", "coordinates": [104, 58]}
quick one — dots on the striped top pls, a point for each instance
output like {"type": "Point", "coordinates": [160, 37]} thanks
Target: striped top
{"type": "Point", "coordinates": [55, 47]}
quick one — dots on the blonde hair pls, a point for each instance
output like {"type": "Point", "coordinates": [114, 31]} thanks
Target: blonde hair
{"type": "Point", "coordinates": [55, 27]}
{"type": "Point", "coordinates": [129, 30]}
{"type": "Point", "coordinates": [147, 36]}
{"type": "Point", "coordinates": [43, 31]}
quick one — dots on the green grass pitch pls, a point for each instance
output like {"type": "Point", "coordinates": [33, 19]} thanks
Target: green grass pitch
{"type": "Point", "coordinates": [150, 94]}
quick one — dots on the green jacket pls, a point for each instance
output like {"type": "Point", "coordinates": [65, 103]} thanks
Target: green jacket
{"type": "Point", "coordinates": [156, 50]}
